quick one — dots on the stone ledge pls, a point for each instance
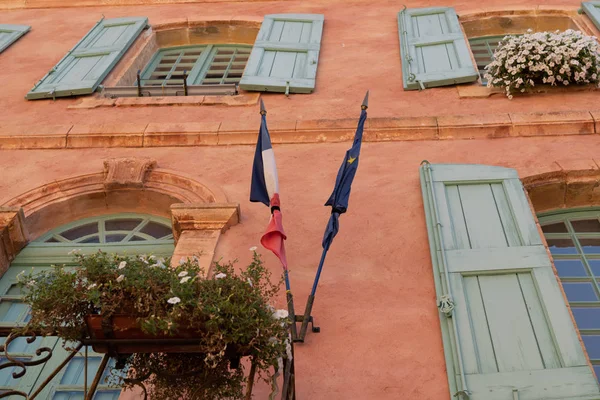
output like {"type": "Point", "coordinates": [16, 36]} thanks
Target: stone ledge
{"type": "Point", "coordinates": [244, 99]}
{"type": "Point", "coordinates": [204, 216]}
{"type": "Point", "coordinates": [245, 131]}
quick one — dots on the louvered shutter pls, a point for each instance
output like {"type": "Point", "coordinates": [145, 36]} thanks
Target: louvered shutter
{"type": "Point", "coordinates": [510, 332]}
{"type": "Point", "coordinates": [285, 55]}
{"type": "Point", "coordinates": [88, 63]}
{"type": "Point", "coordinates": [10, 34]}
{"type": "Point", "coordinates": [592, 9]}
{"type": "Point", "coordinates": [433, 49]}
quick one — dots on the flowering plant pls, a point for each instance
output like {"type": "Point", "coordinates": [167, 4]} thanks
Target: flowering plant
{"type": "Point", "coordinates": [555, 58]}
{"type": "Point", "coordinates": [226, 310]}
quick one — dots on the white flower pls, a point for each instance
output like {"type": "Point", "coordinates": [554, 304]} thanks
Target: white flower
{"type": "Point", "coordinates": [220, 275]}
{"type": "Point", "coordinates": [253, 248]}
{"type": "Point", "coordinates": [122, 264]}
{"type": "Point", "coordinates": [185, 279]}
{"type": "Point", "coordinates": [174, 300]}
{"type": "Point", "coordinates": [280, 314]}
{"type": "Point", "coordinates": [182, 274]}
{"type": "Point", "coordinates": [31, 283]}
{"type": "Point", "coordinates": [20, 275]}
{"type": "Point", "coordinates": [74, 252]}
{"type": "Point", "coordinates": [120, 278]}
{"type": "Point", "coordinates": [250, 282]}
{"type": "Point", "coordinates": [181, 261]}
{"type": "Point", "coordinates": [93, 285]}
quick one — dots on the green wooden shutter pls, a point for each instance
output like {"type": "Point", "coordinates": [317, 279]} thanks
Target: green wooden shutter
{"type": "Point", "coordinates": [285, 55]}
{"type": "Point", "coordinates": [10, 34]}
{"type": "Point", "coordinates": [433, 49]}
{"type": "Point", "coordinates": [88, 63]}
{"type": "Point", "coordinates": [592, 9]}
{"type": "Point", "coordinates": [509, 333]}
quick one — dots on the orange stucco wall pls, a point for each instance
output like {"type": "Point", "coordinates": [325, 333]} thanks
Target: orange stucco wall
{"type": "Point", "coordinates": [376, 306]}
{"type": "Point", "coordinates": [360, 51]}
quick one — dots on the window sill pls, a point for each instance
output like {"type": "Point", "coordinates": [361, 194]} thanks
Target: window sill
{"type": "Point", "coordinates": [476, 90]}
{"type": "Point", "coordinates": [245, 99]}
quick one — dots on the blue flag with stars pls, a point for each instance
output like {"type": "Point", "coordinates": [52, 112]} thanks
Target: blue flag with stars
{"type": "Point", "coordinates": [343, 182]}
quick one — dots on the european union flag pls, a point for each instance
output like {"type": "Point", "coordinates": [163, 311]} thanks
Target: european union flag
{"type": "Point", "coordinates": [343, 183]}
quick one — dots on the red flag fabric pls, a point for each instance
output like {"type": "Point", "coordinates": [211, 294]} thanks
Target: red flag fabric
{"type": "Point", "coordinates": [274, 236]}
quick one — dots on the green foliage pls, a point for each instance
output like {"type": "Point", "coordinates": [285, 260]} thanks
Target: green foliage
{"type": "Point", "coordinates": [554, 58]}
{"type": "Point", "coordinates": [228, 311]}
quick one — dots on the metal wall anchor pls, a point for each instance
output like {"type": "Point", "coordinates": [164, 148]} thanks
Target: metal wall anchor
{"type": "Point", "coordinates": [446, 305]}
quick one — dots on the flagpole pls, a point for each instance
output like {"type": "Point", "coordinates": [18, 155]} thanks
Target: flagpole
{"type": "Point", "coordinates": [311, 298]}
{"type": "Point", "coordinates": [288, 288]}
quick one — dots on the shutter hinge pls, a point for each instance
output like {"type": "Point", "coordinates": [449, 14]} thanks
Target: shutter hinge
{"type": "Point", "coordinates": [515, 394]}
{"type": "Point", "coordinates": [287, 88]}
{"type": "Point", "coordinates": [446, 305]}
{"type": "Point", "coordinates": [464, 394]}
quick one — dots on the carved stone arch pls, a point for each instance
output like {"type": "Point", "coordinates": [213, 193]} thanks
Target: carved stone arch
{"type": "Point", "coordinates": [564, 188]}
{"type": "Point", "coordinates": [124, 185]}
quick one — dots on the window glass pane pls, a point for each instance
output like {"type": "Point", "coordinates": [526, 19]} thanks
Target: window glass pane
{"type": "Point", "coordinates": [587, 318]}
{"type": "Point", "coordinates": [558, 227]}
{"type": "Point", "coordinates": [135, 238]}
{"type": "Point", "coordinates": [570, 268]}
{"type": "Point", "coordinates": [6, 378]}
{"type": "Point", "coordinates": [52, 240]}
{"type": "Point", "coordinates": [13, 290]}
{"type": "Point", "coordinates": [71, 395]}
{"type": "Point", "coordinates": [114, 238]}
{"type": "Point", "coordinates": [80, 231]}
{"type": "Point", "coordinates": [561, 246]}
{"type": "Point", "coordinates": [597, 371]}
{"type": "Point", "coordinates": [107, 395]}
{"type": "Point", "coordinates": [587, 225]}
{"type": "Point", "coordinates": [93, 239]}
{"type": "Point", "coordinates": [156, 230]}
{"type": "Point", "coordinates": [122, 224]}
{"type": "Point", "coordinates": [580, 291]}
{"type": "Point", "coordinates": [12, 311]}
{"type": "Point", "coordinates": [590, 246]}
{"type": "Point", "coordinates": [595, 266]}
{"type": "Point", "coordinates": [592, 345]}
{"type": "Point", "coordinates": [74, 373]}
{"type": "Point", "coordinates": [20, 345]}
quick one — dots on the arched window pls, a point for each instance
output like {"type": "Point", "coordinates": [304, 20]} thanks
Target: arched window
{"type": "Point", "coordinates": [120, 234]}
{"type": "Point", "coordinates": [574, 240]}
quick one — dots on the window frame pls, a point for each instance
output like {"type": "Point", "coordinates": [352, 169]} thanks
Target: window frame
{"type": "Point", "coordinates": [566, 216]}
{"type": "Point", "coordinates": [203, 64]}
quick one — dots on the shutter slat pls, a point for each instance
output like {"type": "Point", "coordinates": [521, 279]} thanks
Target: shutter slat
{"type": "Point", "coordinates": [592, 9]}
{"type": "Point", "coordinates": [10, 34]}
{"type": "Point", "coordinates": [285, 54]}
{"type": "Point", "coordinates": [88, 63]}
{"type": "Point", "coordinates": [510, 320]}
{"type": "Point", "coordinates": [433, 48]}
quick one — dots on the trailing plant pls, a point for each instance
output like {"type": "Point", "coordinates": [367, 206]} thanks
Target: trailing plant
{"type": "Point", "coordinates": [555, 58]}
{"type": "Point", "coordinates": [228, 311]}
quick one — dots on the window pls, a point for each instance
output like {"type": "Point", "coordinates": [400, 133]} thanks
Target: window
{"type": "Point", "coordinates": [574, 241]}
{"type": "Point", "coordinates": [483, 49]}
{"type": "Point", "coordinates": [203, 65]}
{"type": "Point", "coordinates": [218, 68]}
{"type": "Point", "coordinates": [119, 234]}
{"type": "Point", "coordinates": [506, 329]}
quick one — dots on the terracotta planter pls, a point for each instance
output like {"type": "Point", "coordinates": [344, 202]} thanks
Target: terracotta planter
{"type": "Point", "coordinates": [126, 329]}
{"type": "Point", "coordinates": [131, 339]}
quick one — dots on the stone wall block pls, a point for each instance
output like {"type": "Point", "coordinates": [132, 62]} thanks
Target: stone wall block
{"type": "Point", "coordinates": [13, 235]}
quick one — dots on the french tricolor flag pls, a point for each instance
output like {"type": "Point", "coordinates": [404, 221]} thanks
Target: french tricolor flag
{"type": "Point", "coordinates": [265, 189]}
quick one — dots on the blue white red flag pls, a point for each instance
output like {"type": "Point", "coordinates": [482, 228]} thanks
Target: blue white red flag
{"type": "Point", "coordinates": [264, 188]}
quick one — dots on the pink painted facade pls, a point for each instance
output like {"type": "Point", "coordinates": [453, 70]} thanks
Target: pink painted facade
{"type": "Point", "coordinates": [376, 304]}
